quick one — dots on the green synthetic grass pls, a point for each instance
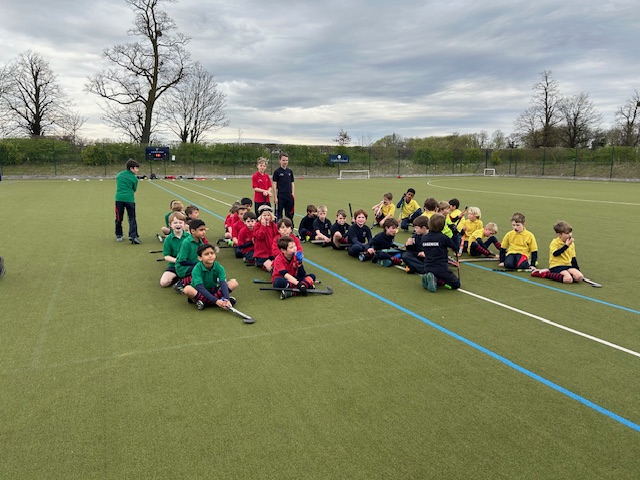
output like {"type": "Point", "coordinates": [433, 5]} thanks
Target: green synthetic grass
{"type": "Point", "coordinates": [106, 375]}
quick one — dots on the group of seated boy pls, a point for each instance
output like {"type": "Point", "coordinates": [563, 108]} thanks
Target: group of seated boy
{"type": "Point", "coordinates": [259, 239]}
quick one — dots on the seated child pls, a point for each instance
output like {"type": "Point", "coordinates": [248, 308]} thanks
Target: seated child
{"type": "Point", "coordinates": [383, 210]}
{"type": "Point", "coordinates": [409, 209]}
{"type": "Point", "coordinates": [430, 206]}
{"type": "Point", "coordinates": [519, 249]}
{"type": "Point", "coordinates": [288, 271]}
{"type": "Point", "coordinates": [238, 224]}
{"type": "Point", "coordinates": [285, 229]}
{"type": "Point", "coordinates": [305, 229]}
{"type": "Point", "coordinates": [171, 248]}
{"type": "Point", "coordinates": [339, 237]}
{"type": "Point", "coordinates": [455, 215]}
{"type": "Point", "coordinates": [230, 219]}
{"type": "Point", "coordinates": [209, 285]}
{"type": "Point", "coordinates": [244, 249]}
{"type": "Point", "coordinates": [480, 241]}
{"type": "Point", "coordinates": [187, 256]}
{"type": "Point", "coordinates": [192, 212]}
{"type": "Point", "coordinates": [413, 256]}
{"type": "Point", "coordinates": [358, 234]}
{"type": "Point", "coordinates": [322, 227]}
{"type": "Point", "coordinates": [563, 266]}
{"type": "Point", "coordinates": [468, 226]}
{"type": "Point", "coordinates": [263, 234]}
{"type": "Point", "coordinates": [174, 206]}
{"type": "Point", "coordinates": [381, 248]}
{"type": "Point", "coordinates": [436, 260]}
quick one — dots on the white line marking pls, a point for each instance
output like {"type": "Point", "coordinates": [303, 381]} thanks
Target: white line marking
{"type": "Point", "coordinates": [553, 324]}
{"type": "Point", "coordinates": [202, 194]}
{"type": "Point", "coordinates": [432, 184]}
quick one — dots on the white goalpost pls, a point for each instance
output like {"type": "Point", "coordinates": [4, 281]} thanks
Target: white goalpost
{"type": "Point", "coordinates": [489, 172]}
{"type": "Point", "coordinates": [354, 175]}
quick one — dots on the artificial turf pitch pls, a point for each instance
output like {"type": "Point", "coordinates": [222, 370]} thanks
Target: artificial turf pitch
{"type": "Point", "coordinates": [106, 375]}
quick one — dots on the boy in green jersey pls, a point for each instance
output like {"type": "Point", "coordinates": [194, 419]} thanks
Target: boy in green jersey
{"type": "Point", "coordinates": [209, 285]}
{"type": "Point", "coordinates": [188, 255]}
{"type": "Point", "coordinates": [171, 248]}
{"type": "Point", "coordinates": [126, 186]}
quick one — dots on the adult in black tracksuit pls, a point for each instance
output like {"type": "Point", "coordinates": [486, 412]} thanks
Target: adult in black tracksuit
{"type": "Point", "coordinates": [284, 189]}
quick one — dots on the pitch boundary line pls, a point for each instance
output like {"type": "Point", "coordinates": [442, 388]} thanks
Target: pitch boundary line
{"type": "Point", "coordinates": [492, 354]}
{"type": "Point", "coordinates": [432, 184]}
{"type": "Point", "coordinates": [553, 324]}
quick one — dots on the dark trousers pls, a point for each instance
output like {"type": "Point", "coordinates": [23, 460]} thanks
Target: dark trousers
{"type": "Point", "coordinates": [285, 208]}
{"type": "Point", "coordinates": [130, 207]}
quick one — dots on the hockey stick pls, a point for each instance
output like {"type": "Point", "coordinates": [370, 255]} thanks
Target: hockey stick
{"type": "Point", "coordinates": [160, 259]}
{"type": "Point", "coordinates": [268, 282]}
{"type": "Point", "coordinates": [350, 211]}
{"type": "Point", "coordinates": [479, 259]}
{"type": "Point", "coordinates": [155, 251]}
{"type": "Point", "coordinates": [591, 282]}
{"type": "Point", "coordinates": [512, 269]}
{"type": "Point", "coordinates": [328, 291]}
{"type": "Point", "coordinates": [245, 318]}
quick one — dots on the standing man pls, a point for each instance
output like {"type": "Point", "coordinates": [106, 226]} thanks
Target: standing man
{"type": "Point", "coordinates": [126, 186]}
{"type": "Point", "coordinates": [284, 189]}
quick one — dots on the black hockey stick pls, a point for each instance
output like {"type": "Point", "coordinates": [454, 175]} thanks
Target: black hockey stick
{"type": "Point", "coordinates": [268, 282]}
{"type": "Point", "coordinates": [317, 291]}
{"type": "Point", "coordinates": [155, 251]}
{"type": "Point", "coordinates": [350, 211]}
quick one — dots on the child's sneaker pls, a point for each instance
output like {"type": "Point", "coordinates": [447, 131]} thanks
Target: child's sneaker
{"type": "Point", "coordinates": [429, 282]}
{"type": "Point", "coordinates": [362, 257]}
{"type": "Point", "coordinates": [179, 287]}
{"type": "Point", "coordinates": [200, 305]}
{"type": "Point", "coordinates": [384, 263]}
{"type": "Point", "coordinates": [119, 238]}
{"type": "Point", "coordinates": [285, 294]}
{"type": "Point", "coordinates": [160, 238]}
{"type": "Point", "coordinates": [232, 300]}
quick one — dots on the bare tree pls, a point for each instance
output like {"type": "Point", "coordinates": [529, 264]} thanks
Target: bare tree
{"type": "Point", "coordinates": [33, 102]}
{"type": "Point", "coordinates": [498, 140]}
{"type": "Point", "coordinates": [71, 123]}
{"type": "Point", "coordinates": [195, 106]}
{"type": "Point", "coordinates": [537, 126]}
{"type": "Point", "coordinates": [581, 120]}
{"type": "Point", "coordinates": [142, 71]}
{"type": "Point", "coordinates": [627, 122]}
{"type": "Point", "coordinates": [343, 139]}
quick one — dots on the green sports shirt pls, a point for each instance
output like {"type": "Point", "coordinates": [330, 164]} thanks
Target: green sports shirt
{"type": "Point", "coordinates": [210, 278]}
{"type": "Point", "coordinates": [188, 253]}
{"type": "Point", "coordinates": [126, 186]}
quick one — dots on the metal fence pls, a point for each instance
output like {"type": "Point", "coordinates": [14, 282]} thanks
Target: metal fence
{"type": "Point", "coordinates": [616, 163]}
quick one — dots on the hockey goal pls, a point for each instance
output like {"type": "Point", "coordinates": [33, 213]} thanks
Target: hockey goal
{"type": "Point", "coordinates": [354, 175]}
{"type": "Point", "coordinates": [489, 172]}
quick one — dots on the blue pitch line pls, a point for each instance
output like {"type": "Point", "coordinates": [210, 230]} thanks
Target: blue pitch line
{"type": "Point", "coordinates": [526, 280]}
{"type": "Point", "coordinates": [500, 358]}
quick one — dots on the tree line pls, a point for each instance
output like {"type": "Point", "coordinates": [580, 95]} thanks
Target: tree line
{"type": "Point", "coordinates": [153, 87]}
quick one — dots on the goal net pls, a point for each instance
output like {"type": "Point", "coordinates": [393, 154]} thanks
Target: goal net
{"type": "Point", "coordinates": [489, 172]}
{"type": "Point", "coordinates": [354, 174]}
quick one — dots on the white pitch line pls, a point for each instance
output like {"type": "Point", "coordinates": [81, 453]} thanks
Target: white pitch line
{"type": "Point", "coordinates": [199, 193]}
{"type": "Point", "coordinates": [587, 200]}
{"type": "Point", "coordinates": [553, 324]}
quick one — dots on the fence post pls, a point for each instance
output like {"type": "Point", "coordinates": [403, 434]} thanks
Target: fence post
{"type": "Point", "coordinates": [575, 163]}
{"type": "Point", "coordinates": [612, 157]}
{"type": "Point", "coordinates": [544, 158]}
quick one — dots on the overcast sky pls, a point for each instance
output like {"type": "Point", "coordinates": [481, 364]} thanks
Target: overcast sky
{"type": "Point", "coordinates": [299, 71]}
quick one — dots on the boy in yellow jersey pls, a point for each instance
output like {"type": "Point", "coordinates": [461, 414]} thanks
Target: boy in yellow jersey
{"type": "Point", "coordinates": [480, 241]}
{"type": "Point", "coordinates": [468, 226]}
{"type": "Point", "coordinates": [563, 266]}
{"type": "Point", "coordinates": [519, 248]}
{"type": "Point", "coordinates": [409, 209]}
{"type": "Point", "coordinates": [383, 210]}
